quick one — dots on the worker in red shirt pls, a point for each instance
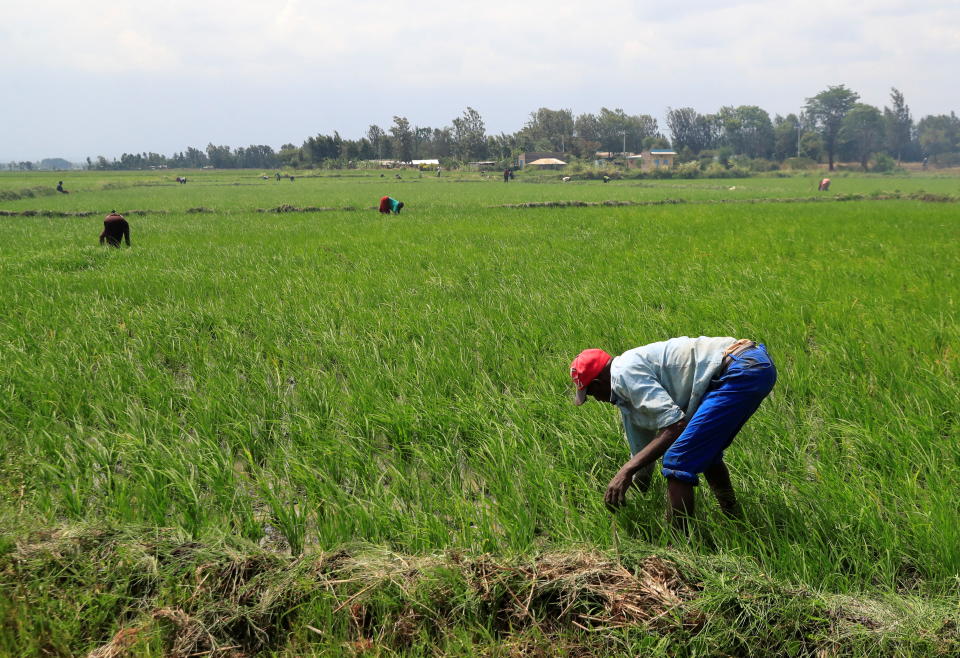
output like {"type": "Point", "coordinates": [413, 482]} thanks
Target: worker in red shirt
{"type": "Point", "coordinates": [115, 228]}
{"type": "Point", "coordinates": [389, 205]}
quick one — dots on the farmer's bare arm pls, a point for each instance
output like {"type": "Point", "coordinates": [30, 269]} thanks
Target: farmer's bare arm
{"type": "Point", "coordinates": [617, 489]}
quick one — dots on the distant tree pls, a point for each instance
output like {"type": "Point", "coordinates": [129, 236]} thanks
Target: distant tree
{"type": "Point", "coordinates": [939, 134]}
{"type": "Point", "coordinates": [55, 163]}
{"type": "Point", "coordinates": [811, 146]}
{"type": "Point", "coordinates": [402, 139]}
{"type": "Point", "coordinates": [555, 127]}
{"type": "Point", "coordinates": [747, 129]}
{"type": "Point", "coordinates": [421, 142]}
{"type": "Point", "coordinates": [469, 136]}
{"type": "Point", "coordinates": [289, 156]}
{"type": "Point", "coordinates": [257, 156]}
{"type": "Point", "coordinates": [786, 136]}
{"type": "Point", "coordinates": [502, 146]}
{"type": "Point", "coordinates": [898, 125]}
{"type": "Point", "coordinates": [442, 142]}
{"type": "Point", "coordinates": [618, 131]}
{"type": "Point", "coordinates": [587, 126]}
{"type": "Point", "coordinates": [862, 132]}
{"type": "Point", "coordinates": [220, 157]}
{"type": "Point", "coordinates": [693, 131]}
{"type": "Point", "coordinates": [827, 110]}
{"type": "Point", "coordinates": [195, 157]}
{"type": "Point", "coordinates": [378, 139]}
{"type": "Point", "coordinates": [322, 148]}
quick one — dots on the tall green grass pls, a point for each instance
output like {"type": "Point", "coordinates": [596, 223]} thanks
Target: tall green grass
{"type": "Point", "coordinates": [307, 380]}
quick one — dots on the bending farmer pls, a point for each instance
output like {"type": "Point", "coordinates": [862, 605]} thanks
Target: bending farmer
{"type": "Point", "coordinates": [684, 399]}
{"type": "Point", "coordinates": [115, 227]}
{"type": "Point", "coordinates": [389, 205]}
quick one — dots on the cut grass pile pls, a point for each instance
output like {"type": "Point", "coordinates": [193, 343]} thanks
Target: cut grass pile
{"type": "Point", "coordinates": [153, 592]}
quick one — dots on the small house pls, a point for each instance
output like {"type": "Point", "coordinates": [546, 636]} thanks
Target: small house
{"type": "Point", "coordinates": [652, 159]}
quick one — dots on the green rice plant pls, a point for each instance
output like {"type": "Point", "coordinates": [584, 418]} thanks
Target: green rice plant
{"type": "Point", "coordinates": [308, 380]}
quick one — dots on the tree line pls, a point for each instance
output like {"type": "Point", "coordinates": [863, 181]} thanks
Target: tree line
{"type": "Point", "coordinates": [833, 125]}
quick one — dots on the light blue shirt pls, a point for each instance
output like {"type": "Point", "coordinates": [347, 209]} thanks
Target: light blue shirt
{"type": "Point", "coordinates": [658, 384]}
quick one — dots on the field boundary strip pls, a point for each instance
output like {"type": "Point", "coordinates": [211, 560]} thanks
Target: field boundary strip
{"type": "Point", "coordinates": [234, 595]}
{"type": "Point", "coordinates": [609, 203]}
{"type": "Point", "coordinates": [198, 210]}
{"type": "Point", "coordinates": [923, 197]}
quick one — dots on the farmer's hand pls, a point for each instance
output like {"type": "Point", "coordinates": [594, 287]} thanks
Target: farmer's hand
{"type": "Point", "coordinates": [617, 489]}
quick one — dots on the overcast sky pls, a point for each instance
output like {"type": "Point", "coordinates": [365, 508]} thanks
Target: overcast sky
{"type": "Point", "coordinates": [107, 76]}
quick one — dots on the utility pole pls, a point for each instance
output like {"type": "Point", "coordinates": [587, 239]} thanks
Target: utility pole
{"type": "Point", "coordinates": [798, 136]}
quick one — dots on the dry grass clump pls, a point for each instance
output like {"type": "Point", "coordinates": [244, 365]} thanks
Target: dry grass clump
{"type": "Point", "coordinates": [85, 213]}
{"type": "Point", "coordinates": [285, 207]}
{"type": "Point", "coordinates": [590, 204]}
{"type": "Point", "coordinates": [586, 590]}
{"type": "Point", "coordinates": [225, 602]}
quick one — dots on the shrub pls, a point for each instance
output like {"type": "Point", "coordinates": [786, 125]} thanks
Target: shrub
{"type": "Point", "coordinates": [715, 170]}
{"type": "Point", "coordinates": [687, 170]}
{"type": "Point", "coordinates": [883, 163]}
{"type": "Point", "coordinates": [756, 164]}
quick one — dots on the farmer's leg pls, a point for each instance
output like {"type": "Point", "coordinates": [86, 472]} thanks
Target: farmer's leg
{"type": "Point", "coordinates": [680, 507]}
{"type": "Point", "coordinates": [735, 396]}
{"type": "Point", "coordinates": [718, 477]}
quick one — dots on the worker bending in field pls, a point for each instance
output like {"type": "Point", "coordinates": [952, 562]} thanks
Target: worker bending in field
{"type": "Point", "coordinates": [684, 399]}
{"type": "Point", "coordinates": [390, 205]}
{"type": "Point", "coordinates": [824, 185]}
{"type": "Point", "coordinates": [115, 228]}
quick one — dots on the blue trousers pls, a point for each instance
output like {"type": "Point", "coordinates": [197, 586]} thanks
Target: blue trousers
{"type": "Point", "coordinates": [732, 398]}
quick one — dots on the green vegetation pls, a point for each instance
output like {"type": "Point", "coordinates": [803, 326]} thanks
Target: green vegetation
{"type": "Point", "coordinates": [735, 140]}
{"type": "Point", "coordinates": [251, 424]}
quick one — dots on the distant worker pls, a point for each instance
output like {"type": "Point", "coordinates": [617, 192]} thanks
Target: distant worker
{"type": "Point", "coordinates": [390, 205]}
{"type": "Point", "coordinates": [683, 399]}
{"type": "Point", "coordinates": [60, 188]}
{"type": "Point", "coordinates": [606, 179]}
{"type": "Point", "coordinates": [438, 171]}
{"type": "Point", "coordinates": [824, 185]}
{"type": "Point", "coordinates": [115, 227]}
{"type": "Point", "coordinates": [291, 179]}
{"type": "Point", "coordinates": [278, 176]}
{"type": "Point", "coordinates": [506, 175]}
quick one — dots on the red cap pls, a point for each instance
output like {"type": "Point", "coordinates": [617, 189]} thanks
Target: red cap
{"type": "Point", "coordinates": [585, 368]}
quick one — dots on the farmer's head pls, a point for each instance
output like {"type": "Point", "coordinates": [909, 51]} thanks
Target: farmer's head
{"type": "Point", "coordinates": [590, 372]}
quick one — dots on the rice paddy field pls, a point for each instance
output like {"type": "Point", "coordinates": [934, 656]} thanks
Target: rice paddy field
{"type": "Point", "coordinates": [325, 431]}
